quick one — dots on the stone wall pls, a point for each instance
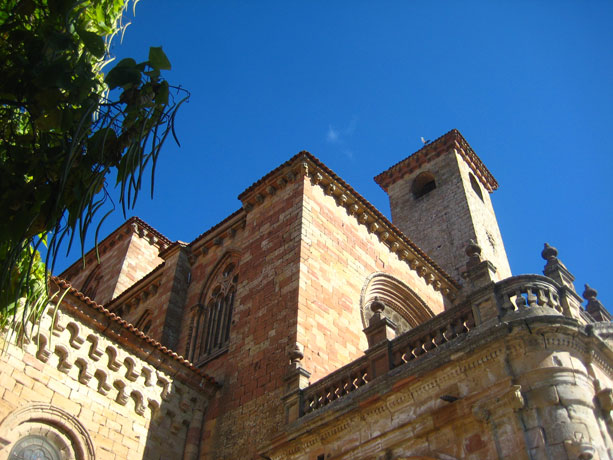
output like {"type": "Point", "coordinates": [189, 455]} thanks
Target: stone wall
{"type": "Point", "coordinates": [536, 387]}
{"type": "Point", "coordinates": [443, 220]}
{"type": "Point", "coordinates": [97, 389]}
{"type": "Point", "coordinates": [338, 254]}
{"type": "Point", "coordinates": [126, 256]}
{"type": "Point", "coordinates": [248, 409]}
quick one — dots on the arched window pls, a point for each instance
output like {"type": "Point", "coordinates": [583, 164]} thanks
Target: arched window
{"type": "Point", "coordinates": [34, 448]}
{"type": "Point", "coordinates": [211, 319]}
{"type": "Point", "coordinates": [144, 322]}
{"type": "Point", "coordinates": [42, 431]}
{"type": "Point", "coordinates": [92, 282]}
{"type": "Point", "coordinates": [423, 184]}
{"type": "Point", "coordinates": [404, 306]}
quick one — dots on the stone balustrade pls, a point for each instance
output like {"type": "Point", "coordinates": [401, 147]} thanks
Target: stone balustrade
{"type": "Point", "coordinates": [441, 329]}
{"type": "Point", "coordinates": [518, 293]}
{"type": "Point", "coordinates": [527, 291]}
{"type": "Point", "coordinates": [336, 385]}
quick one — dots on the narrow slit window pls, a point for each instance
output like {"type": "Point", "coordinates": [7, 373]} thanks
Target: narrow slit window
{"type": "Point", "coordinates": [475, 185]}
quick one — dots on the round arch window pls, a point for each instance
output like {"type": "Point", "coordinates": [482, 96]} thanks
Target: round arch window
{"type": "Point", "coordinates": [34, 448]}
{"type": "Point", "coordinates": [423, 184]}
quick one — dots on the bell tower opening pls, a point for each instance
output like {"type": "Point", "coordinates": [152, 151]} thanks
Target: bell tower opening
{"type": "Point", "coordinates": [437, 199]}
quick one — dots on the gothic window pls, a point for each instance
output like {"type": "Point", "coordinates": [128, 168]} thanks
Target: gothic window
{"type": "Point", "coordinates": [212, 318]}
{"type": "Point", "coordinates": [424, 183]}
{"type": "Point", "coordinates": [144, 322]}
{"type": "Point", "coordinates": [34, 448]}
{"type": "Point", "coordinates": [92, 282]}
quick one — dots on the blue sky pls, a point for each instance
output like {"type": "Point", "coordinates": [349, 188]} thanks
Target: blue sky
{"type": "Point", "coordinates": [529, 84]}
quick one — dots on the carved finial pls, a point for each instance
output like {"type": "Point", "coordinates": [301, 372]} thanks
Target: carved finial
{"type": "Point", "coordinates": [594, 306]}
{"type": "Point", "coordinates": [549, 253]}
{"type": "Point", "coordinates": [296, 354]}
{"type": "Point", "coordinates": [473, 250]}
{"type": "Point", "coordinates": [377, 306]}
{"type": "Point", "coordinates": [589, 293]}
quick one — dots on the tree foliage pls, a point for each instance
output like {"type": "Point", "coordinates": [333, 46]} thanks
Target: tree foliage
{"type": "Point", "coordinates": [66, 127]}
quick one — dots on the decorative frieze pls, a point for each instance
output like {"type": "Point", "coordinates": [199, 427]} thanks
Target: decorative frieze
{"type": "Point", "coordinates": [106, 367]}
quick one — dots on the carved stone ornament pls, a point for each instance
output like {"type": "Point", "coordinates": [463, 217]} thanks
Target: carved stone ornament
{"type": "Point", "coordinates": [473, 251]}
{"type": "Point", "coordinates": [296, 354]}
{"type": "Point", "coordinates": [589, 293]}
{"type": "Point", "coordinates": [549, 253]}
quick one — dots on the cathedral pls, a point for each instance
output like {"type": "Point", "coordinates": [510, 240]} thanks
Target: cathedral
{"type": "Point", "coordinates": [308, 326]}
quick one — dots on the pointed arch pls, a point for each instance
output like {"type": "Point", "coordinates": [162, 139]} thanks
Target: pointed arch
{"type": "Point", "coordinates": [404, 306]}
{"type": "Point", "coordinates": [144, 322]}
{"type": "Point", "coordinates": [211, 318]}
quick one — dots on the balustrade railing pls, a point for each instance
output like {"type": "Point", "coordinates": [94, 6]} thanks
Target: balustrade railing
{"type": "Point", "coordinates": [527, 291]}
{"type": "Point", "coordinates": [336, 385]}
{"type": "Point", "coordinates": [511, 294]}
{"type": "Point", "coordinates": [441, 329]}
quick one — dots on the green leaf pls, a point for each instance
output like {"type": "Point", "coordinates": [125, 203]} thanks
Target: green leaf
{"type": "Point", "coordinates": [157, 58]}
{"type": "Point", "coordinates": [161, 96]}
{"type": "Point", "coordinates": [93, 42]}
{"type": "Point", "coordinates": [124, 73]}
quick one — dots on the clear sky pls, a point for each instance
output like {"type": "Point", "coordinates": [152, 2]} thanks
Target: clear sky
{"type": "Point", "coordinates": [528, 83]}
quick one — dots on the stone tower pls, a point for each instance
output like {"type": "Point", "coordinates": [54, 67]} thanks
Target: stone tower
{"type": "Point", "coordinates": [439, 197]}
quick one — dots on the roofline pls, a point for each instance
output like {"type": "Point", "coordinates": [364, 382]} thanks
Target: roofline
{"type": "Point", "coordinates": [138, 335]}
{"type": "Point", "coordinates": [164, 241]}
{"type": "Point", "coordinates": [250, 196]}
{"type": "Point", "coordinates": [451, 139]}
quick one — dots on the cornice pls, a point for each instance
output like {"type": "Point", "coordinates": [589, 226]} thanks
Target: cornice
{"type": "Point", "coordinates": [133, 225]}
{"type": "Point", "coordinates": [130, 336]}
{"type": "Point", "coordinates": [215, 236]}
{"type": "Point", "coordinates": [139, 291]}
{"type": "Point", "coordinates": [305, 165]}
{"type": "Point", "coordinates": [451, 140]}
{"type": "Point", "coordinates": [414, 384]}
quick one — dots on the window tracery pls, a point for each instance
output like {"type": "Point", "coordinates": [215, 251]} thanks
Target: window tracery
{"type": "Point", "coordinates": [34, 447]}
{"type": "Point", "coordinates": [212, 317]}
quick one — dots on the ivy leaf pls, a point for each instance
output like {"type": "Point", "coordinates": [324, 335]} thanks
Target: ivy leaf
{"type": "Point", "coordinates": [93, 42]}
{"type": "Point", "coordinates": [157, 58]}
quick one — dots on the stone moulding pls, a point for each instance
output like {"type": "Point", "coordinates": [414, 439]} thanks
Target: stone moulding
{"type": "Point", "coordinates": [305, 165]}
{"type": "Point", "coordinates": [101, 351]}
{"type": "Point", "coordinates": [225, 230]}
{"type": "Point", "coordinates": [12, 426]}
{"type": "Point", "coordinates": [417, 382]}
{"type": "Point", "coordinates": [94, 360]}
{"type": "Point", "coordinates": [453, 140]}
{"type": "Point", "coordinates": [132, 225]}
{"type": "Point", "coordinates": [138, 293]}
